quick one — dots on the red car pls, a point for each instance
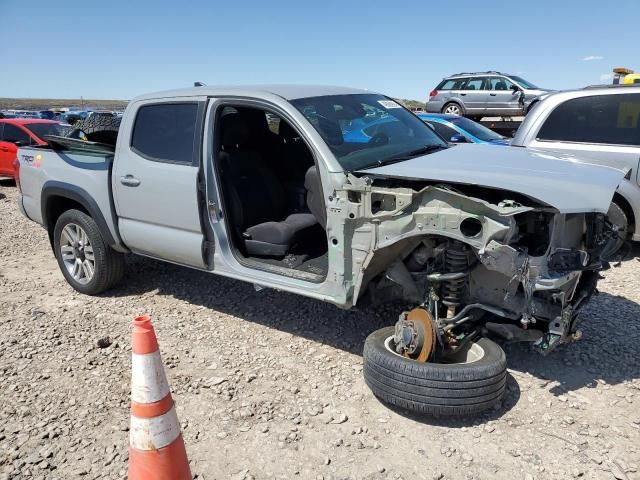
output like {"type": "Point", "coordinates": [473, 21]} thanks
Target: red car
{"type": "Point", "coordinates": [16, 132]}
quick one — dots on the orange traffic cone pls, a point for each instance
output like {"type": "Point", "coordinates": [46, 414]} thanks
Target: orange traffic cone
{"type": "Point", "coordinates": [156, 448]}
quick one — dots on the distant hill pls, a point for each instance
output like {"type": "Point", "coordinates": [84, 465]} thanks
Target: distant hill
{"type": "Point", "coordinates": [74, 103]}
{"type": "Point", "coordinates": [411, 103]}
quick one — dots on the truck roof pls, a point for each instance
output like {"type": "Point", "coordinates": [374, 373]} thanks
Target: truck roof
{"type": "Point", "coordinates": [288, 92]}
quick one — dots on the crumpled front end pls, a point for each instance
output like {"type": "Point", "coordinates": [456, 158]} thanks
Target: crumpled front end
{"type": "Point", "coordinates": [473, 258]}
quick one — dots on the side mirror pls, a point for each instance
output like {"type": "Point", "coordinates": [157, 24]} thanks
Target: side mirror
{"type": "Point", "coordinates": [459, 139]}
{"type": "Point", "coordinates": [515, 88]}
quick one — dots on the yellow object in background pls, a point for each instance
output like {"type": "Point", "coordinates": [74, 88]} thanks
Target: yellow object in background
{"type": "Point", "coordinates": [631, 78]}
{"type": "Point", "coordinates": [625, 76]}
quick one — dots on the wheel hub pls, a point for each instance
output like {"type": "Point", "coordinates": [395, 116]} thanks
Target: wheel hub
{"type": "Point", "coordinates": [415, 335]}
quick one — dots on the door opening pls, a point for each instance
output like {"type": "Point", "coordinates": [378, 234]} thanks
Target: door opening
{"type": "Point", "coordinates": [271, 193]}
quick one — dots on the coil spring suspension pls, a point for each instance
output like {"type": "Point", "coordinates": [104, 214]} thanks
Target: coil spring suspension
{"type": "Point", "coordinates": [452, 290]}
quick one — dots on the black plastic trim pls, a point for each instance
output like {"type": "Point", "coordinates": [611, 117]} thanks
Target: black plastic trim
{"type": "Point", "coordinates": [53, 188]}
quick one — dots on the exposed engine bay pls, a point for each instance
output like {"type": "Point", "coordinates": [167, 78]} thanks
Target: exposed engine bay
{"type": "Point", "coordinates": [473, 261]}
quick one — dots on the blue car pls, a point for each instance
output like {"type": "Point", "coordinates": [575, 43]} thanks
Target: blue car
{"type": "Point", "coordinates": [456, 129]}
{"type": "Point", "coordinates": [361, 130]}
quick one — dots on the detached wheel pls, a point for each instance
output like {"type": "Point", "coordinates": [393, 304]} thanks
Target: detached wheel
{"type": "Point", "coordinates": [88, 264]}
{"type": "Point", "coordinates": [465, 383]}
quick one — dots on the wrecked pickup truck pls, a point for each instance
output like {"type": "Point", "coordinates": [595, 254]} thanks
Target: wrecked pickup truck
{"type": "Point", "coordinates": [261, 184]}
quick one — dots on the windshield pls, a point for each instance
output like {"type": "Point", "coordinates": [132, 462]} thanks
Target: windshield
{"type": "Point", "coordinates": [475, 129]}
{"type": "Point", "coordinates": [365, 129]}
{"type": "Point", "coordinates": [523, 83]}
{"type": "Point", "coordinates": [42, 129]}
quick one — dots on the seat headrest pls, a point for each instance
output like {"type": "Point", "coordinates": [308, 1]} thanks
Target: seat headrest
{"type": "Point", "coordinates": [235, 130]}
{"type": "Point", "coordinates": [256, 120]}
{"type": "Point", "coordinates": [286, 131]}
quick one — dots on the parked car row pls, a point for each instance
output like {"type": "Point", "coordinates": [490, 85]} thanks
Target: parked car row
{"type": "Point", "coordinates": [69, 116]}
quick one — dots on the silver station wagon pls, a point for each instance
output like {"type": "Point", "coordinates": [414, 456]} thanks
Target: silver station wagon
{"type": "Point", "coordinates": [483, 94]}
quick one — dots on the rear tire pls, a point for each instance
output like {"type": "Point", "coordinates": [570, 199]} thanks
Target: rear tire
{"type": "Point", "coordinates": [436, 388]}
{"type": "Point", "coordinates": [107, 265]}
{"type": "Point", "coordinates": [97, 128]}
{"type": "Point", "coordinates": [453, 108]}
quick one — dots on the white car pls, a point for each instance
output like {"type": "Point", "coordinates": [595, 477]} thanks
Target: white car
{"type": "Point", "coordinates": [598, 125]}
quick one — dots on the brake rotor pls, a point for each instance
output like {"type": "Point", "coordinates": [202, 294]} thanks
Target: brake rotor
{"type": "Point", "coordinates": [415, 335]}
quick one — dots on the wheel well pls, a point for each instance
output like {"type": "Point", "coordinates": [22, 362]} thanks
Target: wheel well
{"type": "Point", "coordinates": [626, 208]}
{"type": "Point", "coordinates": [56, 206]}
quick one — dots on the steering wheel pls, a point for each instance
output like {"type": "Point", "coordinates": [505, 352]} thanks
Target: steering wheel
{"type": "Point", "coordinates": [379, 139]}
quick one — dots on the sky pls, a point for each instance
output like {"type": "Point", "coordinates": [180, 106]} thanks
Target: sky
{"type": "Point", "coordinates": [117, 49]}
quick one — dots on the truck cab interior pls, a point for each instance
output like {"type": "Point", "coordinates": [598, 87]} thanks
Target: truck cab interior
{"type": "Point", "coordinates": [272, 198]}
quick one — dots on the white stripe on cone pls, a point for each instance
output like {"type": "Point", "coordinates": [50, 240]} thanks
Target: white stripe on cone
{"type": "Point", "coordinates": [154, 433]}
{"type": "Point", "coordinates": [148, 380]}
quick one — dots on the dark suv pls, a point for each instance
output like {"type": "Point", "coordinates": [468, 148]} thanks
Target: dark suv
{"type": "Point", "coordinates": [483, 94]}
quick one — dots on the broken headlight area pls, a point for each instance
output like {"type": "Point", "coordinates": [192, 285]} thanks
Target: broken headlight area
{"type": "Point", "coordinates": [527, 283]}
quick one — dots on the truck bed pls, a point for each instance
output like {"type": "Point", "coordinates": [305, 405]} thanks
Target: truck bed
{"type": "Point", "coordinates": [80, 174]}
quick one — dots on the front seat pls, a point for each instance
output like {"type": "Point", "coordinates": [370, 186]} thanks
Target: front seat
{"type": "Point", "coordinates": [501, 85]}
{"type": "Point", "coordinates": [315, 198]}
{"type": "Point", "coordinates": [256, 197]}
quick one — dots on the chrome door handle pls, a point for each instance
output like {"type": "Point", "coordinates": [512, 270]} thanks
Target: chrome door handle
{"type": "Point", "coordinates": [129, 181]}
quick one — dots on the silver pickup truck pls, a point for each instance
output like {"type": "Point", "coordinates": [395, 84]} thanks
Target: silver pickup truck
{"type": "Point", "coordinates": [344, 196]}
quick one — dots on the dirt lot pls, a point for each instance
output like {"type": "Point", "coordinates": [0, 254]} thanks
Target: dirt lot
{"type": "Point", "coordinates": [269, 385]}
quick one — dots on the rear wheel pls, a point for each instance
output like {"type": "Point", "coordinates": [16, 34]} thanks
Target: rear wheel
{"type": "Point", "coordinates": [88, 264]}
{"type": "Point", "coordinates": [453, 109]}
{"type": "Point", "coordinates": [466, 382]}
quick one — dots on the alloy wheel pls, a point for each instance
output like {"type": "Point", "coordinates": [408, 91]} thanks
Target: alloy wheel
{"type": "Point", "coordinates": [77, 253]}
{"type": "Point", "coordinates": [452, 109]}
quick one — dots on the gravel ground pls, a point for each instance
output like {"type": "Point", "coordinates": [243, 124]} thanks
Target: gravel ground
{"type": "Point", "coordinates": [269, 385]}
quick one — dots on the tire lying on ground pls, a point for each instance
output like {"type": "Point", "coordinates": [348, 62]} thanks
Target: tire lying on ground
{"type": "Point", "coordinates": [97, 128]}
{"type": "Point", "coordinates": [476, 382]}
